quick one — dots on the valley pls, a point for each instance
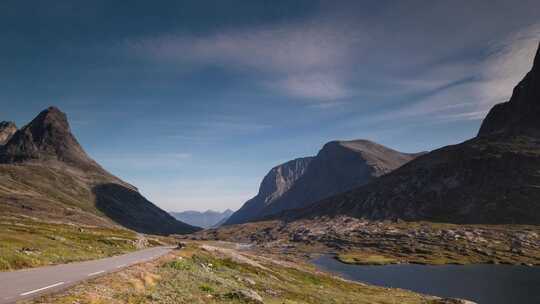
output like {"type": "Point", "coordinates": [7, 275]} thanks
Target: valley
{"type": "Point", "coordinates": [220, 273]}
{"type": "Point", "coordinates": [368, 160]}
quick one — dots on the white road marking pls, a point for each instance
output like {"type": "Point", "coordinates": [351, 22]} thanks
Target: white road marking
{"type": "Point", "coordinates": [97, 272]}
{"type": "Point", "coordinates": [120, 266]}
{"type": "Point", "coordinates": [40, 289]}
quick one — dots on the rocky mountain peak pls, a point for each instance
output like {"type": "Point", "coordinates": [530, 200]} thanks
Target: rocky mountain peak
{"type": "Point", "coordinates": [520, 114]}
{"type": "Point", "coordinates": [46, 137]}
{"type": "Point", "coordinates": [378, 158]}
{"type": "Point", "coordinates": [7, 129]}
{"type": "Point", "coordinates": [274, 184]}
{"type": "Point", "coordinates": [339, 166]}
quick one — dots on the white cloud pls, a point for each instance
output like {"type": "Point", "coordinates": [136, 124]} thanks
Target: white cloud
{"type": "Point", "coordinates": [507, 65]}
{"type": "Point", "coordinates": [330, 61]}
{"type": "Point", "coordinates": [467, 91]}
{"type": "Point", "coordinates": [306, 60]}
{"type": "Point", "coordinates": [316, 86]}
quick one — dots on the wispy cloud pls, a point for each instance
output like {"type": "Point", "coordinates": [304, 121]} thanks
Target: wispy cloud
{"type": "Point", "coordinates": [467, 90]}
{"type": "Point", "coordinates": [314, 86]}
{"type": "Point", "coordinates": [213, 128]}
{"type": "Point", "coordinates": [304, 60]}
{"type": "Point", "coordinates": [336, 58]}
{"type": "Point", "coordinates": [506, 65]}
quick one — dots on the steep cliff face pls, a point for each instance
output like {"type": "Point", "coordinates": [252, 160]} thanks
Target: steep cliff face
{"type": "Point", "coordinates": [7, 129]}
{"type": "Point", "coordinates": [520, 115]}
{"type": "Point", "coordinates": [274, 184]}
{"type": "Point", "coordinates": [45, 173]}
{"type": "Point", "coordinates": [338, 167]}
{"type": "Point", "coordinates": [492, 178]}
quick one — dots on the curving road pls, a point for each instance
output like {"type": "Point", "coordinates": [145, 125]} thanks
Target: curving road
{"type": "Point", "coordinates": [29, 283]}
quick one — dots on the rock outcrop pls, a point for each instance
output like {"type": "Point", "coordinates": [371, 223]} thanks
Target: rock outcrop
{"type": "Point", "coordinates": [274, 184]}
{"type": "Point", "coordinates": [7, 129]}
{"type": "Point", "coordinates": [339, 166]}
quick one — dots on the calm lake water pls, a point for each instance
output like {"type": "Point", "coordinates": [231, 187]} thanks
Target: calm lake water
{"type": "Point", "coordinates": [484, 284]}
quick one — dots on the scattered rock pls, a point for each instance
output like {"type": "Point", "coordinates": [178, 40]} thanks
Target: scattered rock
{"type": "Point", "coordinates": [247, 295]}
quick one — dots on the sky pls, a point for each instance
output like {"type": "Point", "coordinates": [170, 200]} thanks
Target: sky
{"type": "Point", "coordinates": [194, 101]}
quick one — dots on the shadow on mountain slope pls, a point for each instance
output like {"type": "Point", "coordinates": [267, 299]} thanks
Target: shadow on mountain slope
{"type": "Point", "coordinates": [130, 209]}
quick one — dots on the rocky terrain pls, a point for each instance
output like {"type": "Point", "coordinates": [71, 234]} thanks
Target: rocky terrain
{"type": "Point", "coordinates": [46, 175]}
{"type": "Point", "coordinates": [367, 242]}
{"type": "Point", "coordinates": [205, 219]}
{"type": "Point", "coordinates": [493, 178]}
{"type": "Point", "coordinates": [339, 166]}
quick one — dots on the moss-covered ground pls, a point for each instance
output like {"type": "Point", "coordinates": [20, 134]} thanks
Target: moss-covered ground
{"type": "Point", "coordinates": [28, 243]}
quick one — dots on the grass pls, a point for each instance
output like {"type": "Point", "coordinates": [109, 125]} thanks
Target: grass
{"type": "Point", "coordinates": [362, 258]}
{"type": "Point", "coordinates": [197, 276]}
{"type": "Point", "coordinates": [27, 243]}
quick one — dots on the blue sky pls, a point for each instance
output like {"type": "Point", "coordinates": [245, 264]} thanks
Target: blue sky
{"type": "Point", "coordinates": [194, 101]}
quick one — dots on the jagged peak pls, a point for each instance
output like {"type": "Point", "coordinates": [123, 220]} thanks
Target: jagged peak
{"type": "Point", "coordinates": [47, 137]}
{"type": "Point", "coordinates": [52, 116]}
{"type": "Point", "coordinates": [520, 114]}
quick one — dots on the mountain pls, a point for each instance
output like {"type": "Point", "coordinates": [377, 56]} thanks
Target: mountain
{"type": "Point", "coordinates": [46, 174]}
{"type": "Point", "coordinates": [205, 219]}
{"type": "Point", "coordinates": [273, 186]}
{"type": "Point", "coordinates": [47, 137]}
{"type": "Point", "coordinates": [493, 178]}
{"type": "Point", "coordinates": [339, 166]}
{"type": "Point", "coordinates": [7, 129]}
{"type": "Point", "coordinates": [520, 115]}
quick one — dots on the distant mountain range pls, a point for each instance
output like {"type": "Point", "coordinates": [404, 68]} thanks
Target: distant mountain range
{"type": "Point", "coordinates": [46, 174]}
{"type": "Point", "coordinates": [491, 178]}
{"type": "Point", "coordinates": [205, 219]}
{"type": "Point", "coordinates": [339, 166]}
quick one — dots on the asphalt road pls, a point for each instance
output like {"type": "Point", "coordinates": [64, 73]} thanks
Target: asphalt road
{"type": "Point", "coordinates": [29, 283]}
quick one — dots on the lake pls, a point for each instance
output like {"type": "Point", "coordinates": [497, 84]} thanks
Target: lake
{"type": "Point", "coordinates": [484, 284]}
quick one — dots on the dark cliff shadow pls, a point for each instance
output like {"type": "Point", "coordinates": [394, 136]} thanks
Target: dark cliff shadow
{"type": "Point", "coordinates": [130, 209]}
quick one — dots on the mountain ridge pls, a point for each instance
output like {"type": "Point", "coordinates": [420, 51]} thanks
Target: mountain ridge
{"type": "Point", "coordinates": [339, 166]}
{"type": "Point", "coordinates": [45, 173]}
{"type": "Point", "coordinates": [492, 178]}
{"type": "Point", "coordinates": [276, 182]}
{"type": "Point", "coordinates": [205, 219]}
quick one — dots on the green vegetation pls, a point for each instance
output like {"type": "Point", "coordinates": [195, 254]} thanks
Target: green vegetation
{"type": "Point", "coordinates": [27, 243]}
{"type": "Point", "coordinates": [362, 258]}
{"type": "Point", "coordinates": [194, 275]}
